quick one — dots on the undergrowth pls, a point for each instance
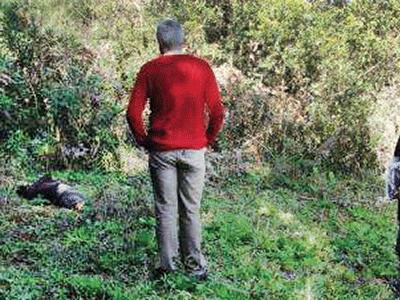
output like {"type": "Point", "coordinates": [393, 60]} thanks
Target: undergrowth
{"type": "Point", "coordinates": [324, 237]}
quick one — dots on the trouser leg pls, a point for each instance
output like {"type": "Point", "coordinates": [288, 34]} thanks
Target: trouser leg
{"type": "Point", "coordinates": [398, 230]}
{"type": "Point", "coordinates": [164, 177]}
{"type": "Point", "coordinates": [191, 171]}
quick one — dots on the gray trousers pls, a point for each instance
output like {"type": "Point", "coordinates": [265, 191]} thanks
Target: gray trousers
{"type": "Point", "coordinates": [178, 181]}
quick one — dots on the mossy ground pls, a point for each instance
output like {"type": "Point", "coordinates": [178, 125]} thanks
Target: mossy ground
{"type": "Point", "coordinates": [265, 236]}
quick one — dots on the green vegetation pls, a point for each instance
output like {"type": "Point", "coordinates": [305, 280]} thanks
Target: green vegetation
{"type": "Point", "coordinates": [292, 207]}
{"type": "Point", "coordinates": [310, 75]}
{"type": "Point", "coordinates": [324, 239]}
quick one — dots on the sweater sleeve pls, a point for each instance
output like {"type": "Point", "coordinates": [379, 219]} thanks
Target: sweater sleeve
{"type": "Point", "coordinates": [136, 106]}
{"type": "Point", "coordinates": [215, 107]}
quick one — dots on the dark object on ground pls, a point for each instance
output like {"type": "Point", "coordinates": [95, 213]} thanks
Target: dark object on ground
{"type": "Point", "coordinates": [55, 191]}
{"type": "Point", "coordinates": [160, 273]}
{"type": "Point", "coordinates": [200, 276]}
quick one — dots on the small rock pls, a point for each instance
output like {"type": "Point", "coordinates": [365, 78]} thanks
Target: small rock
{"type": "Point", "coordinates": [3, 200]}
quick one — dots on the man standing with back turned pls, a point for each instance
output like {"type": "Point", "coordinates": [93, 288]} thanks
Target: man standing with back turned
{"type": "Point", "coordinates": [182, 90]}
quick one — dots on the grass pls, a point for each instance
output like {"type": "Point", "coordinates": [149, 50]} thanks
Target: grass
{"type": "Point", "coordinates": [267, 235]}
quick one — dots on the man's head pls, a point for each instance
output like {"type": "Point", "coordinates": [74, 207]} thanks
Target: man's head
{"type": "Point", "coordinates": [170, 36]}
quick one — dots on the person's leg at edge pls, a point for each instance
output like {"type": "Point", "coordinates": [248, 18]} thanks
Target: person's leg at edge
{"type": "Point", "coordinates": [398, 234]}
{"type": "Point", "coordinates": [191, 173]}
{"type": "Point", "coordinates": [164, 178]}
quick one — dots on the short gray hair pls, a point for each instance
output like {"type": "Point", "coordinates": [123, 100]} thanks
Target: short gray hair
{"type": "Point", "coordinates": [170, 34]}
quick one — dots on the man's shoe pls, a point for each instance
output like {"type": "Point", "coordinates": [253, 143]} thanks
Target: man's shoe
{"type": "Point", "coordinates": [160, 272]}
{"type": "Point", "coordinates": [201, 275]}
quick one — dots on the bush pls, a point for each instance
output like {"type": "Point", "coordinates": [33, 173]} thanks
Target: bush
{"type": "Point", "coordinates": [51, 94]}
{"type": "Point", "coordinates": [319, 66]}
{"type": "Point", "coordinates": [309, 73]}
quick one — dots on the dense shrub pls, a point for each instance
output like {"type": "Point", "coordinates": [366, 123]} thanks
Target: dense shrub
{"type": "Point", "coordinates": [309, 73]}
{"type": "Point", "coordinates": [321, 65]}
{"type": "Point", "coordinates": [51, 98]}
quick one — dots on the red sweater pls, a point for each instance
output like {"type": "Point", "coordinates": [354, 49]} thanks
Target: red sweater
{"type": "Point", "coordinates": [182, 89]}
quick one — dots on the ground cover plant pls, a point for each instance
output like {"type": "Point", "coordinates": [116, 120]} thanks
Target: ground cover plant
{"type": "Point", "coordinates": [326, 238]}
{"type": "Point", "coordinates": [294, 206]}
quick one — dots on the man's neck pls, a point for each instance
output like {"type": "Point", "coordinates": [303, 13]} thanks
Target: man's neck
{"type": "Point", "coordinates": [173, 52]}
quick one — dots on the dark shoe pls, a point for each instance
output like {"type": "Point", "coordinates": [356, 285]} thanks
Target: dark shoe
{"type": "Point", "coordinates": [201, 275]}
{"type": "Point", "coordinates": [161, 272]}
